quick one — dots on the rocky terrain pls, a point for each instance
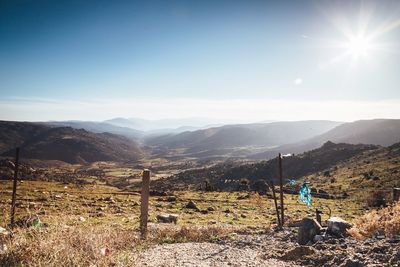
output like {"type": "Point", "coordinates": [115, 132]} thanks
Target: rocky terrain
{"type": "Point", "coordinates": [275, 249]}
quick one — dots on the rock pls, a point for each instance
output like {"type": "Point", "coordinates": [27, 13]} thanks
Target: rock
{"type": "Point", "coordinates": [171, 199]}
{"type": "Point", "coordinates": [352, 263]}
{"type": "Point", "coordinates": [191, 205]}
{"type": "Point", "coordinates": [82, 219]}
{"type": "Point", "coordinates": [167, 218]}
{"type": "Point", "coordinates": [243, 215]}
{"type": "Point", "coordinates": [3, 248]}
{"type": "Point", "coordinates": [4, 232]}
{"type": "Point", "coordinates": [109, 199]}
{"type": "Point", "coordinates": [105, 251]}
{"type": "Point", "coordinates": [338, 227]}
{"type": "Point", "coordinates": [204, 211]}
{"type": "Point", "coordinates": [318, 238]}
{"type": "Point", "coordinates": [298, 253]}
{"type": "Point", "coordinates": [308, 229]}
{"type": "Point", "coordinates": [211, 209]}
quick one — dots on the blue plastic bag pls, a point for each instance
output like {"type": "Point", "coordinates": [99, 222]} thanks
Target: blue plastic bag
{"type": "Point", "coordinates": [305, 194]}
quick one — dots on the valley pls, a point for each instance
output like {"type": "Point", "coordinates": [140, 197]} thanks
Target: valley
{"type": "Point", "coordinates": [86, 184]}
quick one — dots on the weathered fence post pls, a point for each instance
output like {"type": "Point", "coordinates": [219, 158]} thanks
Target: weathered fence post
{"type": "Point", "coordinates": [14, 192]}
{"type": "Point", "coordinates": [396, 194]}
{"type": "Point", "coordinates": [144, 203]}
{"type": "Point", "coordinates": [276, 204]}
{"type": "Point", "coordinates": [281, 189]}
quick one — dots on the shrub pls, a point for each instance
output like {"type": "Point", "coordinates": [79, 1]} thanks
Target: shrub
{"type": "Point", "coordinates": [386, 220]}
{"type": "Point", "coordinates": [377, 199]}
{"type": "Point", "coordinates": [260, 186]}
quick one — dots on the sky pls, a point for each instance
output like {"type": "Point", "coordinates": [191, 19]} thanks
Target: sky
{"type": "Point", "coordinates": [229, 60]}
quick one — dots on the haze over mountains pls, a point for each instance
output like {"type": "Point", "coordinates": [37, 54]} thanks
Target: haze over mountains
{"type": "Point", "coordinates": [384, 132]}
{"type": "Point", "coordinates": [82, 141]}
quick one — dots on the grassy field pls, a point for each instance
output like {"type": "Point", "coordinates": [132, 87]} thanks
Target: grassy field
{"type": "Point", "coordinates": [99, 203]}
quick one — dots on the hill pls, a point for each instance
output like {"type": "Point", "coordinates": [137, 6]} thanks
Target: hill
{"type": "Point", "coordinates": [99, 127]}
{"type": "Point", "coordinates": [65, 144]}
{"type": "Point", "coordinates": [383, 132]}
{"type": "Point", "coordinates": [13, 134]}
{"type": "Point", "coordinates": [220, 140]}
{"type": "Point", "coordinates": [228, 176]}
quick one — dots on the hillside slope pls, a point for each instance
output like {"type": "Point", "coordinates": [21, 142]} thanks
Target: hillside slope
{"type": "Point", "coordinates": [98, 127]}
{"type": "Point", "coordinates": [67, 144]}
{"type": "Point", "coordinates": [241, 136]}
{"type": "Point", "coordinates": [13, 134]}
{"type": "Point", "coordinates": [295, 167]}
{"type": "Point", "coordinates": [383, 132]}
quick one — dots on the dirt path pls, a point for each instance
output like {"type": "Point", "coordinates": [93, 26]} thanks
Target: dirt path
{"type": "Point", "coordinates": [205, 254]}
{"type": "Point", "coordinates": [275, 249]}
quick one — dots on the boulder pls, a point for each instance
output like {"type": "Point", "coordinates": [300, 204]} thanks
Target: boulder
{"type": "Point", "coordinates": [171, 199]}
{"type": "Point", "coordinates": [191, 205]}
{"type": "Point", "coordinates": [338, 227]}
{"type": "Point", "coordinates": [167, 218]}
{"type": "Point", "coordinates": [308, 229]}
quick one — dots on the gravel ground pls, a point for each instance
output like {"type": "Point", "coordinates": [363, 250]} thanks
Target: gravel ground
{"type": "Point", "coordinates": [205, 254]}
{"type": "Point", "coordinates": [275, 249]}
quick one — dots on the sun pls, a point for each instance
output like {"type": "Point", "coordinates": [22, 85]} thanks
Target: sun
{"type": "Point", "coordinates": [358, 46]}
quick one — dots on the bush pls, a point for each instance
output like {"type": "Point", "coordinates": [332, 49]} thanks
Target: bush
{"type": "Point", "coordinates": [386, 220]}
{"type": "Point", "coordinates": [260, 186]}
{"type": "Point", "coordinates": [377, 199]}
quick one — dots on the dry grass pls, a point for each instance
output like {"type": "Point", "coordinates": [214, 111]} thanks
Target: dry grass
{"type": "Point", "coordinates": [386, 220]}
{"type": "Point", "coordinates": [98, 245]}
{"type": "Point", "coordinates": [64, 245]}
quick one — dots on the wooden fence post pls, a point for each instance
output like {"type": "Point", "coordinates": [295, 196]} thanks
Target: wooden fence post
{"type": "Point", "coordinates": [281, 189]}
{"type": "Point", "coordinates": [276, 204]}
{"type": "Point", "coordinates": [144, 203]}
{"type": "Point", "coordinates": [396, 194]}
{"type": "Point", "coordinates": [14, 192]}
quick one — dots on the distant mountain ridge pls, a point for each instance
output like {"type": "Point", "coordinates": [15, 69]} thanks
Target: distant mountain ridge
{"type": "Point", "coordinates": [383, 132]}
{"type": "Point", "coordinates": [242, 135]}
{"type": "Point", "coordinates": [98, 127]}
{"type": "Point", "coordinates": [165, 125]}
{"type": "Point", "coordinates": [65, 144]}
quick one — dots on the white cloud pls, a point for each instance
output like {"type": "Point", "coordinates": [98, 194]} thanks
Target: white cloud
{"type": "Point", "coordinates": [298, 81]}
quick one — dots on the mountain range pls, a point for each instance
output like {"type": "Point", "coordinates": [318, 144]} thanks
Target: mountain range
{"type": "Point", "coordinates": [82, 141]}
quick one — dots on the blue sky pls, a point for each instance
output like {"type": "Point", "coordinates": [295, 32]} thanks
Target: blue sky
{"type": "Point", "coordinates": [250, 60]}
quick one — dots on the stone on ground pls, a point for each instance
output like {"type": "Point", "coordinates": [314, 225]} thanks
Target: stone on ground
{"type": "Point", "coordinates": [308, 229]}
{"type": "Point", "coordinates": [337, 226]}
{"type": "Point", "coordinates": [167, 218]}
